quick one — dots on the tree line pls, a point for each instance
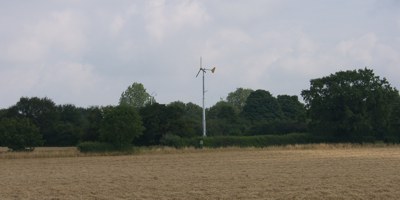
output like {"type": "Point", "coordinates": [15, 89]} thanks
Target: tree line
{"type": "Point", "coordinates": [348, 106]}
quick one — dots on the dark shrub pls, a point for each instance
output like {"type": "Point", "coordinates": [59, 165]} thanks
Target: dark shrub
{"type": "Point", "coordinates": [86, 147]}
{"type": "Point", "coordinates": [240, 141]}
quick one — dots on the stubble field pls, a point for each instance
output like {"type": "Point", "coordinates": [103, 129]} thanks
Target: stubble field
{"type": "Point", "coordinates": [302, 172]}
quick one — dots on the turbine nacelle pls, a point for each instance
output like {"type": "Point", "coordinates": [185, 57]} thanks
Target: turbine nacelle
{"type": "Point", "coordinates": [204, 70]}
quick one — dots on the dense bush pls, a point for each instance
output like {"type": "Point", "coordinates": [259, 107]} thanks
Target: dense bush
{"type": "Point", "coordinates": [277, 127]}
{"type": "Point", "coordinates": [87, 147]}
{"type": "Point", "coordinates": [120, 126]}
{"type": "Point", "coordinates": [258, 141]}
{"type": "Point", "coordinates": [179, 142]}
{"type": "Point", "coordinates": [172, 140]}
{"type": "Point", "coordinates": [19, 134]}
{"type": "Point", "coordinates": [352, 106]}
{"type": "Point", "coordinates": [240, 141]}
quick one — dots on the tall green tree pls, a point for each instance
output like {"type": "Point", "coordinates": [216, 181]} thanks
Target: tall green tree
{"type": "Point", "coordinates": [41, 111]}
{"type": "Point", "coordinates": [176, 118]}
{"type": "Point", "coordinates": [121, 125]}
{"type": "Point", "coordinates": [155, 120]}
{"type": "Point", "coordinates": [350, 105]}
{"type": "Point", "coordinates": [3, 113]}
{"type": "Point", "coordinates": [292, 108]}
{"type": "Point", "coordinates": [93, 117]}
{"type": "Point", "coordinates": [262, 110]}
{"type": "Point", "coordinates": [261, 106]}
{"type": "Point", "coordinates": [238, 98]}
{"type": "Point", "coordinates": [34, 108]}
{"type": "Point", "coordinates": [395, 122]}
{"type": "Point", "coordinates": [184, 120]}
{"type": "Point", "coordinates": [223, 120]}
{"type": "Point", "coordinates": [19, 134]}
{"type": "Point", "coordinates": [69, 127]}
{"type": "Point", "coordinates": [136, 96]}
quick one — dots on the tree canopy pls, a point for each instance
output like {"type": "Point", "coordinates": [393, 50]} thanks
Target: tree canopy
{"type": "Point", "coordinates": [155, 121]}
{"type": "Point", "coordinates": [238, 98]}
{"type": "Point", "coordinates": [136, 96]}
{"type": "Point", "coordinates": [292, 108]}
{"type": "Point", "coordinates": [121, 124]}
{"type": "Point", "coordinates": [19, 134]}
{"type": "Point", "coordinates": [261, 105]}
{"type": "Point", "coordinates": [224, 120]}
{"type": "Point", "coordinates": [41, 111]}
{"type": "Point", "coordinates": [350, 105]}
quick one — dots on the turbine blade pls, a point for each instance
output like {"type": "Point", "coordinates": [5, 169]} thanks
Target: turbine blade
{"type": "Point", "coordinates": [198, 73]}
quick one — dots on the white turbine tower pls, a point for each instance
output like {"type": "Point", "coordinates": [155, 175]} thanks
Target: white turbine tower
{"type": "Point", "coordinates": [204, 108]}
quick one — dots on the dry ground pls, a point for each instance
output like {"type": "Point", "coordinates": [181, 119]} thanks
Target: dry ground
{"type": "Point", "coordinates": [272, 173]}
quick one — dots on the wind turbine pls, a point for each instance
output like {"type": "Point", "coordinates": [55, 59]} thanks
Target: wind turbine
{"type": "Point", "coordinates": [204, 109]}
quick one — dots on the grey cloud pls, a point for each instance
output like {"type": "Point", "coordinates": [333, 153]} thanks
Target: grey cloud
{"type": "Point", "coordinates": [88, 52]}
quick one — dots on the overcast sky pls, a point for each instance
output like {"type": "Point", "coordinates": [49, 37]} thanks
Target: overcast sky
{"type": "Point", "coordinates": [87, 52]}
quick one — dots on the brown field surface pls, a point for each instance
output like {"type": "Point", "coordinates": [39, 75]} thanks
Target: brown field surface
{"type": "Point", "coordinates": [295, 172]}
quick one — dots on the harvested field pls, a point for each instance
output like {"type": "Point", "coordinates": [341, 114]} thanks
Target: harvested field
{"type": "Point", "coordinates": [302, 172]}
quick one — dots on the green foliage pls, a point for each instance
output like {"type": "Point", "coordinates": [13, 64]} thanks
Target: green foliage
{"type": "Point", "coordinates": [394, 122]}
{"type": "Point", "coordinates": [177, 118]}
{"type": "Point", "coordinates": [240, 141]}
{"type": "Point", "coordinates": [279, 116]}
{"type": "Point", "coordinates": [238, 98]}
{"type": "Point", "coordinates": [96, 147]}
{"type": "Point", "coordinates": [173, 141]}
{"type": "Point", "coordinates": [261, 105]}
{"type": "Point", "coordinates": [222, 110]}
{"type": "Point", "coordinates": [41, 111]}
{"type": "Point", "coordinates": [277, 127]}
{"type": "Point", "coordinates": [223, 120]}
{"type": "Point", "coordinates": [93, 118]}
{"type": "Point", "coordinates": [155, 120]}
{"type": "Point", "coordinates": [65, 134]}
{"type": "Point", "coordinates": [72, 114]}
{"type": "Point", "coordinates": [120, 126]}
{"type": "Point", "coordinates": [350, 105]}
{"type": "Point", "coordinates": [69, 127]}
{"type": "Point", "coordinates": [19, 134]}
{"type": "Point", "coordinates": [258, 141]}
{"type": "Point", "coordinates": [3, 113]}
{"type": "Point", "coordinates": [184, 120]}
{"type": "Point", "coordinates": [62, 125]}
{"type": "Point", "coordinates": [136, 96]}
{"type": "Point", "coordinates": [34, 108]}
{"type": "Point", "coordinates": [216, 127]}
{"type": "Point", "coordinates": [193, 111]}
{"type": "Point", "coordinates": [291, 108]}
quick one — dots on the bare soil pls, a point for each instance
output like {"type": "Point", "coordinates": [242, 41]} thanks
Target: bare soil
{"type": "Point", "coordinates": [272, 173]}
